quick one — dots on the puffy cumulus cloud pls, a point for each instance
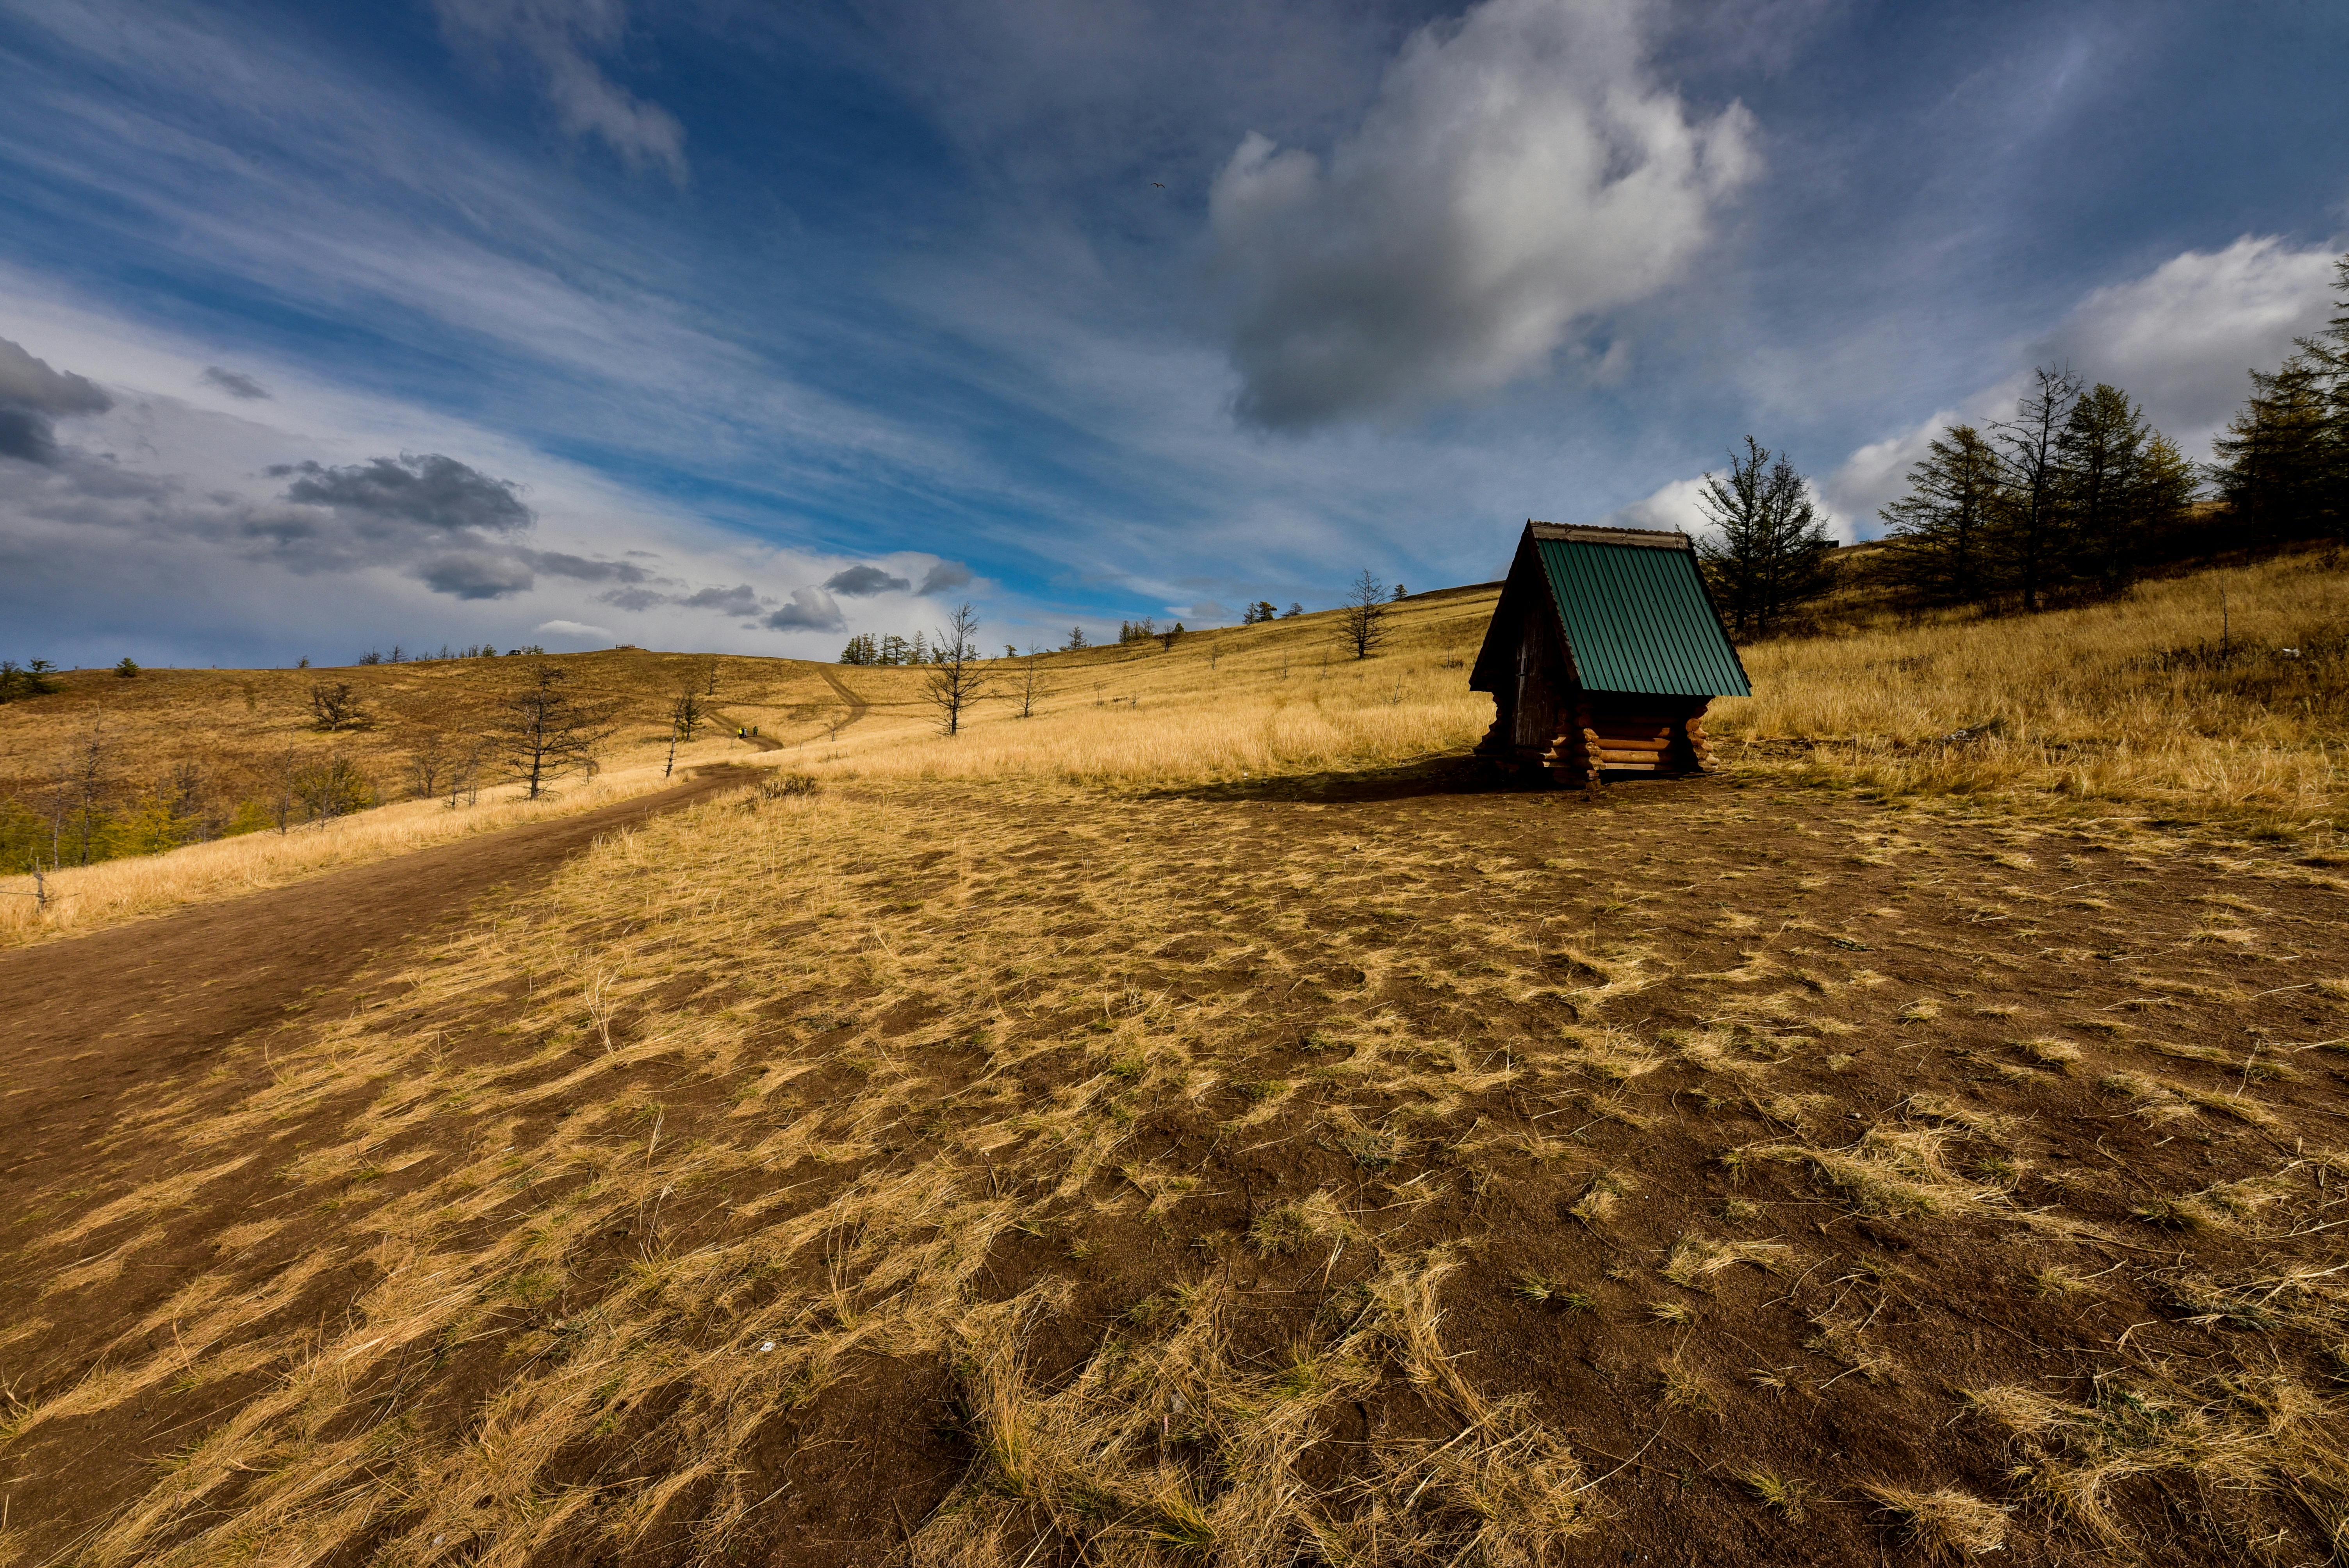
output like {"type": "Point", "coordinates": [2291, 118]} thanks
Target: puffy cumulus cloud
{"type": "Point", "coordinates": [808, 610]}
{"type": "Point", "coordinates": [945, 575]}
{"type": "Point", "coordinates": [1876, 474]}
{"type": "Point", "coordinates": [1678, 507]}
{"type": "Point", "coordinates": [863, 582]}
{"type": "Point", "coordinates": [33, 398]}
{"type": "Point", "coordinates": [577, 629]}
{"type": "Point", "coordinates": [1517, 174]}
{"type": "Point", "coordinates": [557, 39]}
{"type": "Point", "coordinates": [235, 383]}
{"type": "Point", "coordinates": [2180, 339]}
{"type": "Point", "coordinates": [1673, 507]}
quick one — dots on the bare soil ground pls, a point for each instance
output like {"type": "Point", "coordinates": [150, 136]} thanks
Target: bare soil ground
{"type": "Point", "coordinates": [87, 1026]}
{"type": "Point", "coordinates": [1372, 1170]}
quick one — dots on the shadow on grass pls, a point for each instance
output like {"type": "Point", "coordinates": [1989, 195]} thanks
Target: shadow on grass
{"type": "Point", "coordinates": [1413, 780]}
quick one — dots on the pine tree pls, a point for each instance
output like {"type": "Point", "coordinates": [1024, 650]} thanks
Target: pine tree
{"type": "Point", "coordinates": [1938, 543]}
{"type": "Point", "coordinates": [1773, 551]}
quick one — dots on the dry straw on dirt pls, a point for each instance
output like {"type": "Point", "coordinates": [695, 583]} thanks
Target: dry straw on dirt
{"type": "Point", "coordinates": [1084, 1153]}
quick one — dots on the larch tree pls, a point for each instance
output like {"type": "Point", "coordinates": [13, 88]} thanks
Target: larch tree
{"type": "Point", "coordinates": [1938, 546]}
{"type": "Point", "coordinates": [1363, 618]}
{"type": "Point", "coordinates": [2283, 463]}
{"type": "Point", "coordinates": [2100, 460]}
{"type": "Point", "coordinates": [1031, 687]}
{"type": "Point", "coordinates": [959, 674]}
{"type": "Point", "coordinates": [1772, 553]}
{"type": "Point", "coordinates": [2029, 453]}
{"type": "Point", "coordinates": [546, 731]}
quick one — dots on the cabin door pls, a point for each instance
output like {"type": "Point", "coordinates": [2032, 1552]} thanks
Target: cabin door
{"type": "Point", "coordinates": [1531, 710]}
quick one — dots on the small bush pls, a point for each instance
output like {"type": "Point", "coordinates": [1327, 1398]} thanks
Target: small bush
{"type": "Point", "coordinates": [128, 668]}
{"type": "Point", "coordinates": [781, 784]}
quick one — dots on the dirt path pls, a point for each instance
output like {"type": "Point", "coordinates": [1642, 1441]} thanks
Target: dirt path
{"type": "Point", "coordinates": [85, 1023]}
{"type": "Point", "coordinates": [857, 707]}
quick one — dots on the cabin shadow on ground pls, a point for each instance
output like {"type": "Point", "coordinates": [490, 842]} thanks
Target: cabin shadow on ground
{"type": "Point", "coordinates": [1441, 775]}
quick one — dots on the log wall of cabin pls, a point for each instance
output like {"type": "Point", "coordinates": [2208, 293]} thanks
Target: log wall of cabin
{"type": "Point", "coordinates": [1542, 717]}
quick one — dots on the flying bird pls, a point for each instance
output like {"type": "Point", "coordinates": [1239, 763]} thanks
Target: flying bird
{"type": "Point", "coordinates": [1158, 185]}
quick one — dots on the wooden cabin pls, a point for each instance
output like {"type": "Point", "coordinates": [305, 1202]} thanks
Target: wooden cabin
{"type": "Point", "coordinates": [1603, 655]}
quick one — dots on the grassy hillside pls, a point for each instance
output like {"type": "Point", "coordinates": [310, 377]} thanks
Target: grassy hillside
{"type": "Point", "coordinates": [230, 725]}
{"type": "Point", "coordinates": [2161, 699]}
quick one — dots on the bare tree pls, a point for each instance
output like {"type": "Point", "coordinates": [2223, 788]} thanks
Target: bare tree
{"type": "Point", "coordinates": [336, 705]}
{"type": "Point", "coordinates": [958, 675]}
{"type": "Point", "coordinates": [430, 762]}
{"type": "Point", "coordinates": [1170, 636]}
{"type": "Point", "coordinates": [81, 787]}
{"type": "Point", "coordinates": [464, 782]}
{"type": "Point", "coordinates": [1362, 619]}
{"type": "Point", "coordinates": [281, 794]}
{"type": "Point", "coordinates": [683, 715]}
{"type": "Point", "coordinates": [546, 731]}
{"type": "Point", "coordinates": [710, 676]}
{"type": "Point", "coordinates": [1031, 688]}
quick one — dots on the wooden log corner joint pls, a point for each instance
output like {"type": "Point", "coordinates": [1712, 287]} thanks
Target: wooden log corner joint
{"type": "Point", "coordinates": [1603, 654]}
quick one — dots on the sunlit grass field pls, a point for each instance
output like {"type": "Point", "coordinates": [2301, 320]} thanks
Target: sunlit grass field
{"type": "Point", "coordinates": [2213, 692]}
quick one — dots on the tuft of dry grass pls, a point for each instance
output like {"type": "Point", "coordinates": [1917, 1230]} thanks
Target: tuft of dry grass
{"type": "Point", "coordinates": [2234, 1437]}
{"type": "Point", "coordinates": [1947, 1524]}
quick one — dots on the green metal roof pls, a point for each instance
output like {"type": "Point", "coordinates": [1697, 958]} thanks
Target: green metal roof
{"type": "Point", "coordinates": [1637, 620]}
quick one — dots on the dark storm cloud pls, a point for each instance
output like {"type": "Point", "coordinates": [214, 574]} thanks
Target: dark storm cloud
{"type": "Point", "coordinates": [579, 568]}
{"type": "Point", "coordinates": [235, 383]}
{"type": "Point", "coordinates": [863, 582]}
{"type": "Point", "coordinates": [810, 610]}
{"type": "Point", "coordinates": [474, 574]}
{"type": "Point", "coordinates": [945, 575]}
{"type": "Point", "coordinates": [429, 492]}
{"type": "Point", "coordinates": [633, 598]}
{"type": "Point", "coordinates": [26, 435]}
{"type": "Point", "coordinates": [455, 528]}
{"type": "Point", "coordinates": [739, 599]}
{"type": "Point", "coordinates": [32, 396]}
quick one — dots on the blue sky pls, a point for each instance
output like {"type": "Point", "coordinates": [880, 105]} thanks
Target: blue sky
{"type": "Point", "coordinates": [738, 327]}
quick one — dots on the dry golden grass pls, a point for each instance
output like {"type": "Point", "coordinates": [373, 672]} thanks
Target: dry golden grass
{"type": "Point", "coordinates": [1245, 701]}
{"type": "Point", "coordinates": [1248, 1177]}
{"type": "Point", "coordinates": [83, 899]}
{"type": "Point", "coordinates": [2136, 700]}
{"type": "Point", "coordinates": [2108, 703]}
